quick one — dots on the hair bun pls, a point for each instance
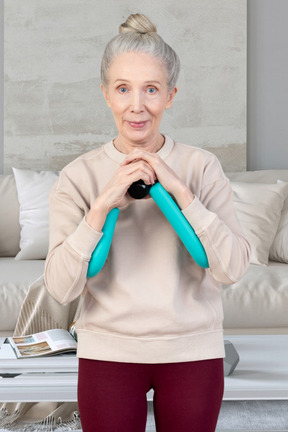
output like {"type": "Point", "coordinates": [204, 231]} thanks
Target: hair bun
{"type": "Point", "coordinates": [137, 23]}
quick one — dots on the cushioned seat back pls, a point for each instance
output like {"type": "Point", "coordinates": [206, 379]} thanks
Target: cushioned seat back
{"type": "Point", "coordinates": [9, 217]}
{"type": "Point", "coordinates": [261, 176]}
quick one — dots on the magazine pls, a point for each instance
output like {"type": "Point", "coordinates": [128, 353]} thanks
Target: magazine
{"type": "Point", "coordinates": [49, 342]}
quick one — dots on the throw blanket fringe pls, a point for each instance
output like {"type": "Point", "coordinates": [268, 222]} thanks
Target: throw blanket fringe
{"type": "Point", "coordinates": [6, 418]}
{"type": "Point", "coordinates": [10, 422]}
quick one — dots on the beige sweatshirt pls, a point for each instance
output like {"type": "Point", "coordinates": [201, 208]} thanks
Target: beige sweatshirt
{"type": "Point", "coordinates": [150, 303]}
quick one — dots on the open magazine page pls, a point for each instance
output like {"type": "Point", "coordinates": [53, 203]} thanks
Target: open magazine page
{"type": "Point", "coordinates": [43, 343]}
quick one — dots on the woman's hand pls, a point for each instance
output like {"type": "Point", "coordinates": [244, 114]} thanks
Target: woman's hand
{"type": "Point", "coordinates": [115, 193]}
{"type": "Point", "coordinates": [165, 175]}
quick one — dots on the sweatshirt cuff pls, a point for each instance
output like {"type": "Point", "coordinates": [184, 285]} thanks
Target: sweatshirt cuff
{"type": "Point", "coordinates": [198, 216]}
{"type": "Point", "coordinates": [84, 239]}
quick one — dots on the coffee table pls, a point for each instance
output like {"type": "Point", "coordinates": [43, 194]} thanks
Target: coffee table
{"type": "Point", "coordinates": [37, 379]}
{"type": "Point", "coordinates": [262, 373]}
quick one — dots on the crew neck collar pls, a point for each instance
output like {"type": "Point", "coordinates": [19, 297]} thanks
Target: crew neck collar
{"type": "Point", "coordinates": [119, 157]}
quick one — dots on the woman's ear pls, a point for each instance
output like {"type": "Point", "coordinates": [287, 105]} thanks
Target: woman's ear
{"type": "Point", "coordinates": [105, 94]}
{"type": "Point", "coordinates": [171, 96]}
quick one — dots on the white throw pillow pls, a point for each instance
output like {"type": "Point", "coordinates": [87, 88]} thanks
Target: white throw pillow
{"type": "Point", "coordinates": [279, 248]}
{"type": "Point", "coordinates": [258, 207]}
{"type": "Point", "coordinates": [33, 190]}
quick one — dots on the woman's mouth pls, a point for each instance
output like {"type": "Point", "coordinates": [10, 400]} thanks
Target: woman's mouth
{"type": "Point", "coordinates": [137, 125]}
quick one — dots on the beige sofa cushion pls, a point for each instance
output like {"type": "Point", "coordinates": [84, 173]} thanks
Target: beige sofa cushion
{"type": "Point", "coordinates": [9, 217]}
{"type": "Point", "coordinates": [33, 189]}
{"type": "Point", "coordinates": [261, 176]}
{"type": "Point", "coordinates": [279, 248]}
{"type": "Point", "coordinates": [259, 299]}
{"type": "Point", "coordinates": [258, 207]}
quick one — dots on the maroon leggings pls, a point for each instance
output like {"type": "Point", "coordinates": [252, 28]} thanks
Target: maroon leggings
{"type": "Point", "coordinates": [187, 396]}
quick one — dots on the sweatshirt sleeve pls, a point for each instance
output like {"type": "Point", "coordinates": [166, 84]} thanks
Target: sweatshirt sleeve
{"type": "Point", "coordinates": [71, 243]}
{"type": "Point", "coordinates": [213, 218]}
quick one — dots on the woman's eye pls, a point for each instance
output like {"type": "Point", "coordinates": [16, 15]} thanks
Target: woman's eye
{"type": "Point", "coordinates": [122, 89]}
{"type": "Point", "coordinates": [151, 90]}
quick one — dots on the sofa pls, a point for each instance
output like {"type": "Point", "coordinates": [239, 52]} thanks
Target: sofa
{"type": "Point", "coordinates": [256, 304]}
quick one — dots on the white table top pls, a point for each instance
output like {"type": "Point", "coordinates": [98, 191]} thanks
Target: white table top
{"type": "Point", "coordinates": [67, 363]}
{"type": "Point", "coordinates": [51, 378]}
{"type": "Point", "coordinates": [262, 373]}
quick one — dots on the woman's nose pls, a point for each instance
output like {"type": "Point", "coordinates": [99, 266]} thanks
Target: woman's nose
{"type": "Point", "coordinates": [136, 102]}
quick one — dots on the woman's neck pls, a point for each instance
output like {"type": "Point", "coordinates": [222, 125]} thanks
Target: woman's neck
{"type": "Point", "coordinates": [152, 146]}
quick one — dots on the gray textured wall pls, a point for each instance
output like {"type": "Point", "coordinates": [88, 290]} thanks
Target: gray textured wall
{"type": "Point", "coordinates": [267, 84]}
{"type": "Point", "coordinates": [54, 109]}
{"type": "Point", "coordinates": [1, 81]}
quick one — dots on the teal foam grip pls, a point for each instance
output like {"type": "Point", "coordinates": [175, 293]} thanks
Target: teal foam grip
{"type": "Point", "coordinates": [180, 224]}
{"type": "Point", "coordinates": [101, 251]}
{"type": "Point", "coordinates": [175, 217]}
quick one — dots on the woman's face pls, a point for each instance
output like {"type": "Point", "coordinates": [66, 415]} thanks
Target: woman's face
{"type": "Point", "coordinates": [138, 95]}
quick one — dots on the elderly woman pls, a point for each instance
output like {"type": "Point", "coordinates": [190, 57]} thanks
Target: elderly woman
{"type": "Point", "coordinates": [152, 318]}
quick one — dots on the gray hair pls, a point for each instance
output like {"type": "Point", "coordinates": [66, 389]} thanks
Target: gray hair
{"type": "Point", "coordinates": [139, 34]}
